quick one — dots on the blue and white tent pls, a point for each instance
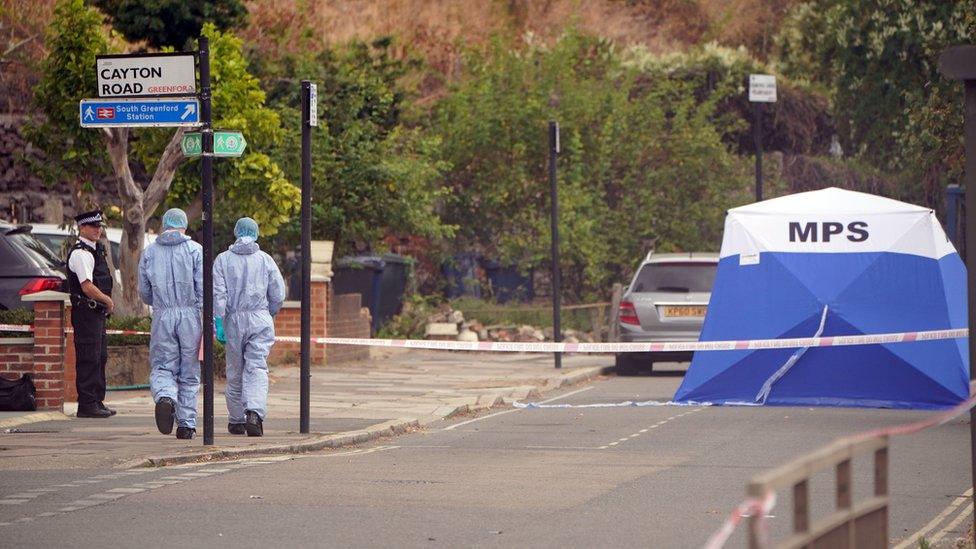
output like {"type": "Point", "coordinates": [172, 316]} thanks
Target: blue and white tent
{"type": "Point", "coordinates": [830, 263]}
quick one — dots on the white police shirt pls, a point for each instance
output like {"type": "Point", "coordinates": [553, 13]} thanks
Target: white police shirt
{"type": "Point", "coordinates": [83, 265]}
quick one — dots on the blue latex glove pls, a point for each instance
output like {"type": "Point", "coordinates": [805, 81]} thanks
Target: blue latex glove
{"type": "Point", "coordinates": [219, 330]}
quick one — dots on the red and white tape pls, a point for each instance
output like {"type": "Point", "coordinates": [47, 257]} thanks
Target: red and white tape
{"type": "Point", "coordinates": [553, 347]}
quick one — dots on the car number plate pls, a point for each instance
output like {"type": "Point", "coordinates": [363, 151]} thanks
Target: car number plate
{"type": "Point", "coordinates": [684, 310]}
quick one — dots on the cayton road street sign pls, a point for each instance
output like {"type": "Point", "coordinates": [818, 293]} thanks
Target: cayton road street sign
{"type": "Point", "coordinates": [226, 143]}
{"type": "Point", "coordinates": [146, 75]}
{"type": "Point", "coordinates": [114, 113]}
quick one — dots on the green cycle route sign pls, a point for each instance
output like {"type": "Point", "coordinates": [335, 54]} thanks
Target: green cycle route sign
{"type": "Point", "coordinates": [226, 143]}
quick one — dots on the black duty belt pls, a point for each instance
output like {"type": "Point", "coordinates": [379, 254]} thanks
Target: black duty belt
{"type": "Point", "coordinates": [86, 302]}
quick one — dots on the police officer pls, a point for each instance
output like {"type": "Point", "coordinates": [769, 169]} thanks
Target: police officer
{"type": "Point", "coordinates": [90, 286]}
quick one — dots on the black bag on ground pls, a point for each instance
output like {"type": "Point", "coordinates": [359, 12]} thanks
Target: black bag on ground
{"type": "Point", "coordinates": [17, 395]}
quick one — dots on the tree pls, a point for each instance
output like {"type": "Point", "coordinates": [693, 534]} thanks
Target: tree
{"type": "Point", "coordinates": [172, 23]}
{"type": "Point", "coordinates": [879, 59]}
{"type": "Point", "coordinates": [642, 160]}
{"type": "Point", "coordinates": [372, 175]}
{"type": "Point", "coordinates": [143, 183]}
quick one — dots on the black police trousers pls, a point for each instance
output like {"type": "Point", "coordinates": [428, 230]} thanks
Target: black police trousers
{"type": "Point", "coordinates": [91, 353]}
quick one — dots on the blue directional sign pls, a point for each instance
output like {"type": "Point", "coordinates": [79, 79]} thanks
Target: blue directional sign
{"type": "Point", "coordinates": [112, 113]}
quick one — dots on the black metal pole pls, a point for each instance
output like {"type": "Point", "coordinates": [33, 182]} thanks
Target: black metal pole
{"type": "Point", "coordinates": [757, 136]}
{"type": "Point", "coordinates": [306, 345]}
{"type": "Point", "coordinates": [959, 63]}
{"type": "Point", "coordinates": [970, 186]}
{"type": "Point", "coordinates": [207, 168]}
{"type": "Point", "coordinates": [557, 333]}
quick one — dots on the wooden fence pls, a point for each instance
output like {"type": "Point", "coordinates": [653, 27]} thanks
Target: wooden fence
{"type": "Point", "coordinates": [851, 525]}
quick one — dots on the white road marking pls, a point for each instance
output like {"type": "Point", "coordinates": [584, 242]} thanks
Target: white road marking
{"type": "Point", "coordinates": [571, 393]}
{"type": "Point", "coordinates": [656, 425]}
{"type": "Point", "coordinates": [952, 525]}
{"type": "Point", "coordinates": [565, 447]}
{"type": "Point", "coordinates": [913, 539]}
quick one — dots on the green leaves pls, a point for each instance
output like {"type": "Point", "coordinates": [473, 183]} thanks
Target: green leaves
{"type": "Point", "coordinates": [74, 38]}
{"type": "Point", "coordinates": [879, 58]}
{"type": "Point", "coordinates": [254, 184]}
{"type": "Point", "coordinates": [372, 175]}
{"type": "Point", "coordinates": [642, 159]}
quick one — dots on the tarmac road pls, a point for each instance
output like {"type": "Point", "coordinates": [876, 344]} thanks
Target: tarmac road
{"type": "Point", "coordinates": [621, 477]}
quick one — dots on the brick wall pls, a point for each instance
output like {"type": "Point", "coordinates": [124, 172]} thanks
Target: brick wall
{"type": "Point", "coordinates": [41, 356]}
{"type": "Point", "coordinates": [16, 357]}
{"type": "Point", "coordinates": [49, 322]}
{"type": "Point", "coordinates": [347, 318]}
{"type": "Point", "coordinates": [288, 322]}
{"type": "Point", "coordinates": [333, 316]}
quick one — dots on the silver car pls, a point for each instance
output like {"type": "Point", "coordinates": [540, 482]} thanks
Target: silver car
{"type": "Point", "coordinates": [666, 301]}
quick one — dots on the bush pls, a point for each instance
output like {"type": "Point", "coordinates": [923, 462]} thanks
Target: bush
{"type": "Point", "coordinates": [16, 316]}
{"type": "Point", "coordinates": [137, 323]}
{"type": "Point", "coordinates": [642, 159]}
{"type": "Point", "coordinates": [538, 314]}
{"type": "Point", "coordinates": [412, 320]}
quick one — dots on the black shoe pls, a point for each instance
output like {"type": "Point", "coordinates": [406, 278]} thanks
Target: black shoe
{"type": "Point", "coordinates": [93, 411]}
{"type": "Point", "coordinates": [253, 424]}
{"type": "Point", "coordinates": [185, 433]}
{"type": "Point", "coordinates": [104, 407]}
{"type": "Point", "coordinates": [165, 410]}
{"type": "Point", "coordinates": [236, 428]}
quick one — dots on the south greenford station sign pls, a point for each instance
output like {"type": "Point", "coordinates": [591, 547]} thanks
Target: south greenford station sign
{"type": "Point", "coordinates": [146, 75]}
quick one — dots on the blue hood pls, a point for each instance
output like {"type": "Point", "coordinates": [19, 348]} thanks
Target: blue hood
{"type": "Point", "coordinates": [172, 238]}
{"type": "Point", "coordinates": [244, 246]}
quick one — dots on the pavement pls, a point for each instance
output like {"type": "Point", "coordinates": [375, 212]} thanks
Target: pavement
{"type": "Point", "coordinates": [396, 391]}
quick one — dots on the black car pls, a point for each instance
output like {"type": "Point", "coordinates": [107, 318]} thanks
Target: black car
{"type": "Point", "coordinates": [26, 266]}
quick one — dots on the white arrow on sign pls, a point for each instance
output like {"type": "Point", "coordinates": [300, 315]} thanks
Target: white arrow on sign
{"type": "Point", "coordinates": [190, 109]}
{"type": "Point", "coordinates": [89, 114]}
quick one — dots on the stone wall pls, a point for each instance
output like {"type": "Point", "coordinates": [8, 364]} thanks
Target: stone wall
{"type": "Point", "coordinates": [24, 195]}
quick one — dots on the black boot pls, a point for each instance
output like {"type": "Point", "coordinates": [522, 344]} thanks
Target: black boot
{"type": "Point", "coordinates": [185, 433]}
{"type": "Point", "coordinates": [92, 411]}
{"type": "Point", "coordinates": [236, 428]}
{"type": "Point", "coordinates": [253, 424]}
{"type": "Point", "coordinates": [165, 410]}
{"type": "Point", "coordinates": [104, 407]}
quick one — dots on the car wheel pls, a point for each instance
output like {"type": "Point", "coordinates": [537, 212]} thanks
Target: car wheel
{"type": "Point", "coordinates": [628, 364]}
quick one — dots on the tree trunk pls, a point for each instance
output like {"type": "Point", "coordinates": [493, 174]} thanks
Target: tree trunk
{"type": "Point", "coordinates": [137, 206]}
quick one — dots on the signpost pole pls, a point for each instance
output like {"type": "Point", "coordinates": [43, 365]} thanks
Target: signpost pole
{"type": "Point", "coordinates": [207, 187]}
{"type": "Point", "coordinates": [757, 136]}
{"type": "Point", "coordinates": [959, 63]}
{"type": "Point", "coordinates": [762, 89]}
{"type": "Point", "coordinates": [557, 334]}
{"type": "Point", "coordinates": [306, 346]}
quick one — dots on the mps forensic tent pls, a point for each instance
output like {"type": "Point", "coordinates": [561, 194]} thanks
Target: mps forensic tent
{"type": "Point", "coordinates": [832, 263]}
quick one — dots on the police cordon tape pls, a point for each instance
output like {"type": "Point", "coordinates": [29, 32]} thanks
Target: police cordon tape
{"type": "Point", "coordinates": [762, 507]}
{"type": "Point", "coordinates": [553, 347]}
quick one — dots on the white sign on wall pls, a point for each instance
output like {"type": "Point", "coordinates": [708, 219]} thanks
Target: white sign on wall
{"type": "Point", "coordinates": [142, 75]}
{"type": "Point", "coordinates": [762, 88]}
